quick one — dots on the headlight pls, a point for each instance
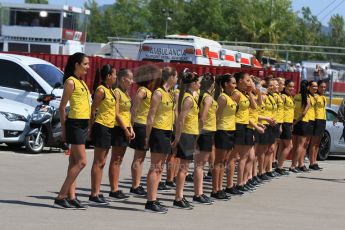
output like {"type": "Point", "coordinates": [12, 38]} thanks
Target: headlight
{"type": "Point", "coordinates": [13, 116]}
{"type": "Point", "coordinates": [37, 116]}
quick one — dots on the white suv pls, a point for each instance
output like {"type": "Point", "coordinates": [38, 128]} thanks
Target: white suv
{"type": "Point", "coordinates": [23, 78]}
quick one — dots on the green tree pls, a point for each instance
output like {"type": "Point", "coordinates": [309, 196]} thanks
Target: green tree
{"type": "Point", "coordinates": [95, 30]}
{"type": "Point", "coordinates": [337, 34]}
{"type": "Point", "coordinates": [37, 1]}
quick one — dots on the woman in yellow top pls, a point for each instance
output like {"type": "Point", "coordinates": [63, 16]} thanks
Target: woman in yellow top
{"type": "Point", "coordinates": [319, 125]}
{"type": "Point", "coordinates": [75, 127]}
{"type": "Point", "coordinates": [101, 124]}
{"type": "Point", "coordinates": [187, 131]}
{"type": "Point", "coordinates": [207, 124]}
{"type": "Point", "coordinates": [158, 135]}
{"type": "Point", "coordinates": [285, 144]}
{"type": "Point", "coordinates": [122, 132]}
{"type": "Point", "coordinates": [225, 134]}
{"type": "Point", "coordinates": [245, 99]}
{"type": "Point", "coordinates": [146, 78]}
{"type": "Point", "coordinates": [301, 128]}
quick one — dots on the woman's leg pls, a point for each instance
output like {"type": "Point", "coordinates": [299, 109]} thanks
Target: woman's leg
{"type": "Point", "coordinates": [77, 162]}
{"type": "Point", "coordinates": [243, 150]}
{"type": "Point", "coordinates": [285, 146]}
{"type": "Point", "coordinates": [181, 178]}
{"type": "Point", "coordinates": [154, 174]}
{"type": "Point", "coordinates": [172, 167]}
{"type": "Point", "coordinates": [200, 161]}
{"type": "Point", "coordinates": [260, 151]}
{"type": "Point", "coordinates": [117, 154]}
{"type": "Point", "coordinates": [137, 167]}
{"type": "Point", "coordinates": [314, 149]}
{"type": "Point", "coordinates": [100, 156]}
{"type": "Point", "coordinates": [218, 168]}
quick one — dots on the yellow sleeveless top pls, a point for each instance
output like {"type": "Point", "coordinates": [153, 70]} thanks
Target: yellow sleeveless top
{"type": "Point", "coordinates": [280, 108]}
{"type": "Point", "coordinates": [320, 107]}
{"type": "Point", "coordinates": [289, 107]}
{"type": "Point", "coordinates": [242, 114]}
{"type": "Point", "coordinates": [262, 111]}
{"type": "Point", "coordinates": [226, 121]}
{"type": "Point", "coordinates": [164, 116]}
{"type": "Point", "coordinates": [124, 108]}
{"type": "Point", "coordinates": [270, 107]}
{"type": "Point", "coordinates": [253, 115]}
{"type": "Point", "coordinates": [106, 110]}
{"type": "Point", "coordinates": [210, 121]}
{"type": "Point", "coordinates": [311, 111]}
{"type": "Point", "coordinates": [190, 125]}
{"type": "Point", "coordinates": [143, 109]}
{"type": "Point", "coordinates": [299, 109]}
{"type": "Point", "coordinates": [80, 100]}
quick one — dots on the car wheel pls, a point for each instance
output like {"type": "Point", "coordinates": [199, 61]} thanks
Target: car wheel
{"type": "Point", "coordinates": [34, 143]}
{"type": "Point", "coordinates": [325, 146]}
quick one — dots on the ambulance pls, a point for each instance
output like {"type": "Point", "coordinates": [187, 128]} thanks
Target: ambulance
{"type": "Point", "coordinates": [188, 49]}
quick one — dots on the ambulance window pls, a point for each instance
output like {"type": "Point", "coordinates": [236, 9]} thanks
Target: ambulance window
{"type": "Point", "coordinates": [152, 60]}
{"type": "Point", "coordinates": [178, 61]}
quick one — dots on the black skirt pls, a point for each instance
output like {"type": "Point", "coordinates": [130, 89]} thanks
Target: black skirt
{"type": "Point", "coordinates": [138, 142]}
{"type": "Point", "coordinates": [303, 128]}
{"type": "Point", "coordinates": [101, 136]}
{"type": "Point", "coordinates": [76, 131]}
{"type": "Point", "coordinates": [319, 127]}
{"type": "Point", "coordinates": [160, 141]}
{"type": "Point", "coordinates": [286, 131]}
{"type": "Point", "coordinates": [186, 146]}
{"type": "Point", "coordinates": [224, 139]}
{"type": "Point", "coordinates": [118, 137]}
{"type": "Point", "coordinates": [206, 141]}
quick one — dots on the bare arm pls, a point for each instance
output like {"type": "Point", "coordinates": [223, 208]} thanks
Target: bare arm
{"type": "Point", "coordinates": [139, 97]}
{"type": "Point", "coordinates": [236, 97]}
{"type": "Point", "coordinates": [118, 116]}
{"type": "Point", "coordinates": [99, 96]}
{"type": "Point", "coordinates": [252, 100]}
{"type": "Point", "coordinates": [186, 107]}
{"type": "Point", "coordinates": [155, 101]}
{"type": "Point", "coordinates": [305, 110]}
{"type": "Point", "coordinates": [221, 105]}
{"type": "Point", "coordinates": [203, 114]}
{"type": "Point", "coordinates": [67, 93]}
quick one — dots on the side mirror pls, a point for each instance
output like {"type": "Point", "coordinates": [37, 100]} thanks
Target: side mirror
{"type": "Point", "coordinates": [26, 86]}
{"type": "Point", "coordinates": [57, 85]}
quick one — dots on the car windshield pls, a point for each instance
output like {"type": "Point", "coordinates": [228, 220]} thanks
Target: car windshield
{"type": "Point", "coordinates": [49, 73]}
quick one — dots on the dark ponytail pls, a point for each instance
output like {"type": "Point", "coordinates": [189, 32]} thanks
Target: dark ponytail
{"type": "Point", "coordinates": [220, 84]}
{"type": "Point", "coordinates": [187, 78]}
{"type": "Point", "coordinates": [167, 72]}
{"type": "Point", "coordinates": [70, 66]}
{"type": "Point", "coordinates": [205, 84]}
{"type": "Point", "coordinates": [101, 75]}
{"type": "Point", "coordinates": [287, 82]}
{"type": "Point", "coordinates": [304, 92]}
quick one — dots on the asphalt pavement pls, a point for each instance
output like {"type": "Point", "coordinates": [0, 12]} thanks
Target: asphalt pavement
{"type": "Point", "coordinates": [29, 184]}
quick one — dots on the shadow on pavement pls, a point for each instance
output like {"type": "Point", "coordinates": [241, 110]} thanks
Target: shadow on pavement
{"type": "Point", "coordinates": [323, 179]}
{"type": "Point", "coordinates": [25, 203]}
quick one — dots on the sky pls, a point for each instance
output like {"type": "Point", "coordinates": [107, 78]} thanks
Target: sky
{"type": "Point", "coordinates": [324, 9]}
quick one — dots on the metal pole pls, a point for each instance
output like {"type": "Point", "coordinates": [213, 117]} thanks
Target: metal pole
{"type": "Point", "coordinates": [331, 90]}
{"type": "Point", "coordinates": [166, 25]}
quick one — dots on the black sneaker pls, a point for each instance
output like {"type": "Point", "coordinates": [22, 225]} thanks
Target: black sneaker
{"type": "Point", "coordinates": [155, 207]}
{"type": "Point", "coordinates": [270, 174]}
{"type": "Point", "coordinates": [98, 200]}
{"type": "Point", "coordinates": [220, 195]}
{"type": "Point", "coordinates": [315, 167]}
{"type": "Point", "coordinates": [249, 187]}
{"type": "Point", "coordinates": [303, 169]}
{"type": "Point", "coordinates": [233, 191]}
{"type": "Point", "coordinates": [253, 183]}
{"type": "Point", "coordinates": [294, 170]}
{"type": "Point", "coordinates": [181, 204]}
{"type": "Point", "coordinates": [208, 198]}
{"type": "Point", "coordinates": [202, 200]}
{"type": "Point", "coordinates": [162, 187]}
{"type": "Point", "coordinates": [258, 180]}
{"type": "Point", "coordinates": [118, 195]}
{"type": "Point", "coordinates": [264, 177]}
{"type": "Point", "coordinates": [275, 164]}
{"type": "Point", "coordinates": [208, 176]}
{"type": "Point", "coordinates": [77, 204]}
{"type": "Point", "coordinates": [63, 204]}
{"type": "Point", "coordinates": [138, 191]}
{"type": "Point", "coordinates": [280, 171]}
{"type": "Point", "coordinates": [242, 188]}
{"type": "Point", "coordinates": [189, 178]}
{"type": "Point", "coordinates": [170, 184]}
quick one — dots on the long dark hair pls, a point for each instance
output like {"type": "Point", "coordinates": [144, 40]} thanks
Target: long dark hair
{"type": "Point", "coordinates": [220, 84]}
{"type": "Point", "coordinates": [167, 72]}
{"type": "Point", "coordinates": [287, 82]}
{"type": "Point", "coordinates": [147, 76]}
{"type": "Point", "coordinates": [187, 79]}
{"type": "Point", "coordinates": [101, 75]}
{"type": "Point", "coordinates": [304, 92]}
{"type": "Point", "coordinates": [205, 84]}
{"type": "Point", "coordinates": [70, 66]}
{"type": "Point", "coordinates": [121, 74]}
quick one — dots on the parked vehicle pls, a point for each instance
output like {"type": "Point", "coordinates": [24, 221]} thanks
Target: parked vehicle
{"type": "Point", "coordinates": [46, 126]}
{"type": "Point", "coordinates": [24, 78]}
{"type": "Point", "coordinates": [332, 142]}
{"type": "Point", "coordinates": [14, 117]}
